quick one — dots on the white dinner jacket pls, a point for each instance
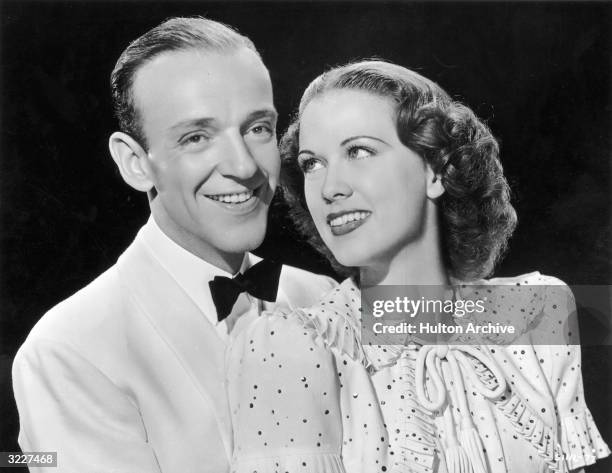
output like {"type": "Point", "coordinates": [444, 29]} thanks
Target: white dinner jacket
{"type": "Point", "coordinates": [128, 376]}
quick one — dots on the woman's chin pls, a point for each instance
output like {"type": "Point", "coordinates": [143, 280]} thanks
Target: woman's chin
{"type": "Point", "coordinates": [350, 259]}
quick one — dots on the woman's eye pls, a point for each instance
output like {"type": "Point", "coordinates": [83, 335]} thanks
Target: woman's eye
{"type": "Point", "coordinates": [308, 165]}
{"type": "Point", "coordinates": [359, 152]}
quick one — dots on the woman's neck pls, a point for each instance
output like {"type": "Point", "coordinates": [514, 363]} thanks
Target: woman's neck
{"type": "Point", "coordinates": [418, 263]}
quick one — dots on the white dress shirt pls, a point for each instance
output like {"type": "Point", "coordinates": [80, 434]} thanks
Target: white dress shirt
{"type": "Point", "coordinates": [193, 274]}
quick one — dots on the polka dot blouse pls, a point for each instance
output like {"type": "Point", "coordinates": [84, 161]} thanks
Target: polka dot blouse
{"type": "Point", "coordinates": [307, 396]}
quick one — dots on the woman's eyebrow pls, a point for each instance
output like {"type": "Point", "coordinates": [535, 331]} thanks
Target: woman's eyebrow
{"type": "Point", "coordinates": [346, 141]}
{"type": "Point", "coordinates": [352, 138]}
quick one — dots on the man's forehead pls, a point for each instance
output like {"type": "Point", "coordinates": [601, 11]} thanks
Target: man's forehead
{"type": "Point", "coordinates": [192, 84]}
{"type": "Point", "coordinates": [175, 64]}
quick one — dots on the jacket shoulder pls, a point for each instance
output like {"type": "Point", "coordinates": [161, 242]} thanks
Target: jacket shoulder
{"type": "Point", "coordinates": [304, 288]}
{"type": "Point", "coordinates": [86, 314]}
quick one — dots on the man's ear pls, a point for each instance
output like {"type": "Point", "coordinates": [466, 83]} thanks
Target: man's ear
{"type": "Point", "coordinates": [434, 184]}
{"type": "Point", "coordinates": [131, 159]}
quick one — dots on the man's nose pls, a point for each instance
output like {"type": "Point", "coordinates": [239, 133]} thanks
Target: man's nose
{"type": "Point", "coordinates": [237, 161]}
{"type": "Point", "coordinates": [336, 184]}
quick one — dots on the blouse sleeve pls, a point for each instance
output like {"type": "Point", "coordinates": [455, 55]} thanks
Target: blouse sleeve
{"type": "Point", "coordinates": [290, 403]}
{"type": "Point", "coordinates": [580, 439]}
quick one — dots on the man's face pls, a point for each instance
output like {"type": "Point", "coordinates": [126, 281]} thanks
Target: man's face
{"type": "Point", "coordinates": [209, 121]}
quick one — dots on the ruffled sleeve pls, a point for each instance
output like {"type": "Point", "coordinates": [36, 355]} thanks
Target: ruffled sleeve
{"type": "Point", "coordinates": [545, 402]}
{"type": "Point", "coordinates": [580, 439]}
{"type": "Point", "coordinates": [334, 324]}
{"type": "Point", "coordinates": [296, 406]}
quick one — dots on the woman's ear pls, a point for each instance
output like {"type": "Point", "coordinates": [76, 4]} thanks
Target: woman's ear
{"type": "Point", "coordinates": [434, 184]}
{"type": "Point", "coordinates": [131, 159]}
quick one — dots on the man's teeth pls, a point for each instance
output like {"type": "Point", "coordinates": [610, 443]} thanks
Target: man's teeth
{"type": "Point", "coordinates": [232, 198]}
{"type": "Point", "coordinates": [346, 218]}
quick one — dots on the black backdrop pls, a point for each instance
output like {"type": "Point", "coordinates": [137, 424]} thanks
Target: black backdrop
{"type": "Point", "coordinates": [539, 73]}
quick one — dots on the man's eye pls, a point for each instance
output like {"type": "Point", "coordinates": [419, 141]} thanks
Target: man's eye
{"type": "Point", "coordinates": [308, 165]}
{"type": "Point", "coordinates": [195, 139]}
{"type": "Point", "coordinates": [261, 130]}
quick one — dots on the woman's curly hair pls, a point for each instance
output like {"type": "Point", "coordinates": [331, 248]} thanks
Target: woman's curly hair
{"type": "Point", "coordinates": [476, 217]}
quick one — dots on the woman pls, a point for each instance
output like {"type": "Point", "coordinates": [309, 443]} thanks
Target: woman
{"type": "Point", "coordinates": [403, 185]}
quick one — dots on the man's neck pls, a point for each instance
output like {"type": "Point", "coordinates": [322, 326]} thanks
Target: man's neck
{"type": "Point", "coordinates": [228, 262]}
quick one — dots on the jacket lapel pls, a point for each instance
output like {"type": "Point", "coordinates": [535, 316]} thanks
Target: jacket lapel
{"type": "Point", "coordinates": [282, 299]}
{"type": "Point", "coordinates": [183, 327]}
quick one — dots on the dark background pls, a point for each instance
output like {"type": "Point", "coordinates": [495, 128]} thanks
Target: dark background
{"type": "Point", "coordinates": [538, 73]}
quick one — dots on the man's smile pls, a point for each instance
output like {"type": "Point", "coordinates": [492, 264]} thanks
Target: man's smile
{"type": "Point", "coordinates": [239, 201]}
{"type": "Point", "coordinates": [234, 198]}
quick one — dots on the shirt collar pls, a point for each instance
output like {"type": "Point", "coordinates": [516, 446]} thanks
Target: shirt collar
{"type": "Point", "coordinates": [190, 272]}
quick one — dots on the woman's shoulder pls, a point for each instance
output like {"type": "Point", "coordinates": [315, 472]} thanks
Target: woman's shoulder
{"type": "Point", "coordinates": [525, 301]}
{"type": "Point", "coordinates": [550, 292]}
{"type": "Point", "coordinates": [345, 295]}
{"type": "Point", "coordinates": [535, 278]}
{"type": "Point", "coordinates": [335, 319]}
{"type": "Point", "coordinates": [339, 308]}
{"type": "Point", "coordinates": [334, 322]}
{"type": "Point", "coordinates": [533, 286]}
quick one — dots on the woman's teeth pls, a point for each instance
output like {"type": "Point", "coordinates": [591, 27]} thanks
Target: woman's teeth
{"type": "Point", "coordinates": [232, 198]}
{"type": "Point", "coordinates": [346, 218]}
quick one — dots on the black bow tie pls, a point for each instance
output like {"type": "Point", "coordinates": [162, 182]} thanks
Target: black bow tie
{"type": "Point", "coordinates": [260, 280]}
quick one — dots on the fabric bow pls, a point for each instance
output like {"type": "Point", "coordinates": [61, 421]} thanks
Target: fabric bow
{"type": "Point", "coordinates": [260, 281]}
{"type": "Point", "coordinates": [464, 452]}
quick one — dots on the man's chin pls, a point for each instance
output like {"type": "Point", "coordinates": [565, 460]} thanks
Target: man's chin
{"type": "Point", "coordinates": [243, 241]}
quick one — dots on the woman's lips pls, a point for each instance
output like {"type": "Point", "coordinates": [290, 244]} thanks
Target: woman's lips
{"type": "Point", "coordinates": [341, 223]}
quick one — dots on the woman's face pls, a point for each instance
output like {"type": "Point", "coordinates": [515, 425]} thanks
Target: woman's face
{"type": "Point", "coordinates": [367, 192]}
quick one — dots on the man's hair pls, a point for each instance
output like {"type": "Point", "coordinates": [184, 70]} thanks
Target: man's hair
{"type": "Point", "coordinates": [476, 215]}
{"type": "Point", "coordinates": [175, 34]}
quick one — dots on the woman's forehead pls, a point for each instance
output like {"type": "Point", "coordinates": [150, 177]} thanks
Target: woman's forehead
{"type": "Point", "coordinates": [337, 113]}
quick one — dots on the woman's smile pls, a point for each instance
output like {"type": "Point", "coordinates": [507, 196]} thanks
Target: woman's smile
{"type": "Point", "coordinates": [356, 170]}
{"type": "Point", "coordinates": [345, 222]}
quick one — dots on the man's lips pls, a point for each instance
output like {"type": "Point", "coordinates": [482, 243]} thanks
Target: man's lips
{"type": "Point", "coordinates": [233, 198]}
{"type": "Point", "coordinates": [239, 201]}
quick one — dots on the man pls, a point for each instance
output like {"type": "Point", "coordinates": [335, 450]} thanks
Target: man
{"type": "Point", "coordinates": [127, 375]}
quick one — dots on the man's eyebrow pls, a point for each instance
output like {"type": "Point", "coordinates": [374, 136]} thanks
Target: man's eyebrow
{"type": "Point", "coordinates": [204, 122]}
{"type": "Point", "coordinates": [194, 122]}
{"type": "Point", "coordinates": [348, 140]}
{"type": "Point", "coordinates": [263, 113]}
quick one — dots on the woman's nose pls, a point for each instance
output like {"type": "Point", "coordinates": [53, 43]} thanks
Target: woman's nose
{"type": "Point", "coordinates": [336, 184]}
